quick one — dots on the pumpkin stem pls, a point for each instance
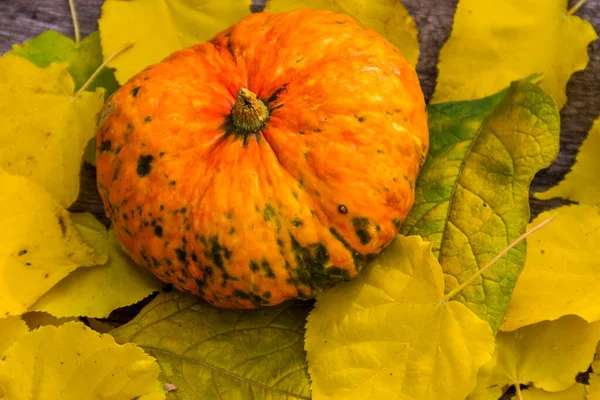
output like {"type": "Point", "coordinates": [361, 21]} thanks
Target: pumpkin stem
{"type": "Point", "coordinates": [249, 113]}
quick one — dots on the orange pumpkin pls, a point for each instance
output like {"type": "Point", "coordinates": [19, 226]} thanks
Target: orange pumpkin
{"type": "Point", "coordinates": [269, 163]}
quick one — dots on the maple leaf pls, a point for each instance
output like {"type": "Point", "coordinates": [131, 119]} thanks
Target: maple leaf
{"type": "Point", "coordinates": [581, 183]}
{"type": "Point", "coordinates": [11, 330]}
{"type": "Point", "coordinates": [471, 198]}
{"type": "Point", "coordinates": [160, 27]}
{"type": "Point", "coordinates": [45, 125]}
{"type": "Point", "coordinates": [547, 356]}
{"type": "Point", "coordinates": [77, 363]}
{"type": "Point", "coordinates": [562, 271]}
{"type": "Point", "coordinates": [390, 334]}
{"type": "Point", "coordinates": [389, 18]}
{"type": "Point", "coordinates": [82, 58]}
{"type": "Point", "coordinates": [95, 292]}
{"type": "Point", "coordinates": [40, 245]}
{"type": "Point", "coordinates": [496, 42]}
{"type": "Point", "coordinates": [207, 352]}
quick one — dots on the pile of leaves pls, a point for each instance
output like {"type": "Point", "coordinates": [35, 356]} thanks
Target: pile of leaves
{"type": "Point", "coordinates": [458, 306]}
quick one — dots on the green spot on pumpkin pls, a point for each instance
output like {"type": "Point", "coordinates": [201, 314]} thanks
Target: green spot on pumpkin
{"type": "Point", "coordinates": [360, 228]}
{"type": "Point", "coordinates": [105, 146]}
{"type": "Point", "coordinates": [267, 268]}
{"type": "Point", "coordinates": [143, 165]}
{"type": "Point", "coordinates": [241, 295]}
{"type": "Point", "coordinates": [268, 213]}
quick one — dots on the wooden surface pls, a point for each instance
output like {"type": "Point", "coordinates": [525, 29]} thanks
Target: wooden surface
{"type": "Point", "coordinates": [22, 19]}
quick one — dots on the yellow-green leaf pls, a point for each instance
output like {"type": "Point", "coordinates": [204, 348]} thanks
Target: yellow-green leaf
{"type": "Point", "coordinates": [45, 126]}
{"type": "Point", "coordinates": [496, 42]}
{"type": "Point", "coordinates": [82, 59]}
{"type": "Point", "coordinates": [562, 271]}
{"type": "Point", "coordinates": [95, 292]}
{"type": "Point", "coordinates": [471, 197]}
{"type": "Point", "coordinates": [547, 356]}
{"type": "Point", "coordinates": [159, 27]}
{"type": "Point", "coordinates": [212, 353]}
{"type": "Point", "coordinates": [581, 183]}
{"type": "Point", "coordinates": [40, 245]}
{"type": "Point", "coordinates": [389, 18]}
{"type": "Point", "coordinates": [390, 335]}
{"type": "Point", "coordinates": [72, 362]}
{"type": "Point", "coordinates": [11, 330]}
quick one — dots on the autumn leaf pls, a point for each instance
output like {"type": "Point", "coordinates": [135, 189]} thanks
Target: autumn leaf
{"type": "Point", "coordinates": [82, 58]}
{"type": "Point", "coordinates": [389, 18]}
{"type": "Point", "coordinates": [496, 42]}
{"type": "Point", "coordinates": [159, 27]}
{"type": "Point", "coordinates": [11, 330]}
{"type": "Point", "coordinates": [562, 271]}
{"type": "Point", "coordinates": [575, 392]}
{"type": "Point", "coordinates": [95, 292]}
{"type": "Point", "coordinates": [77, 363]}
{"type": "Point", "coordinates": [45, 125]}
{"type": "Point", "coordinates": [40, 245]}
{"type": "Point", "coordinates": [209, 352]}
{"type": "Point", "coordinates": [547, 356]}
{"type": "Point", "coordinates": [389, 334]}
{"type": "Point", "coordinates": [472, 193]}
{"type": "Point", "coordinates": [581, 183]}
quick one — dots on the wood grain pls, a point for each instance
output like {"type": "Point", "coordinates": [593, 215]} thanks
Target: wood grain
{"type": "Point", "coordinates": [22, 19]}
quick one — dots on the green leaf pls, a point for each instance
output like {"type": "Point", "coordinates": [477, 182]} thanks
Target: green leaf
{"type": "Point", "coordinates": [83, 59]}
{"type": "Point", "coordinates": [390, 335]}
{"type": "Point", "coordinates": [472, 194]}
{"type": "Point", "coordinates": [209, 352]}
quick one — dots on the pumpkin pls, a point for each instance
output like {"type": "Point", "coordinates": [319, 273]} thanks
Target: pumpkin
{"type": "Point", "coordinates": [269, 163]}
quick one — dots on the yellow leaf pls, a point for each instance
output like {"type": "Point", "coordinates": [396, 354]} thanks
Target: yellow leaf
{"type": "Point", "coordinates": [496, 42]}
{"type": "Point", "coordinates": [562, 270]}
{"type": "Point", "coordinates": [159, 27]}
{"type": "Point", "coordinates": [547, 356]}
{"type": "Point", "coordinates": [39, 247]}
{"type": "Point", "coordinates": [36, 319]}
{"type": "Point", "coordinates": [95, 292]}
{"type": "Point", "coordinates": [390, 335]}
{"type": "Point", "coordinates": [11, 330]}
{"type": "Point", "coordinates": [45, 126]}
{"type": "Point", "coordinates": [581, 183]}
{"type": "Point", "coordinates": [593, 390]}
{"type": "Point", "coordinates": [389, 18]}
{"type": "Point", "coordinates": [575, 392]}
{"type": "Point", "coordinates": [72, 362]}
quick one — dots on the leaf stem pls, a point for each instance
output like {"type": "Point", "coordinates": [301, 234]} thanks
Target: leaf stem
{"type": "Point", "coordinates": [466, 283]}
{"type": "Point", "coordinates": [576, 7]}
{"type": "Point", "coordinates": [101, 67]}
{"type": "Point", "coordinates": [518, 388]}
{"type": "Point", "coordinates": [75, 22]}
